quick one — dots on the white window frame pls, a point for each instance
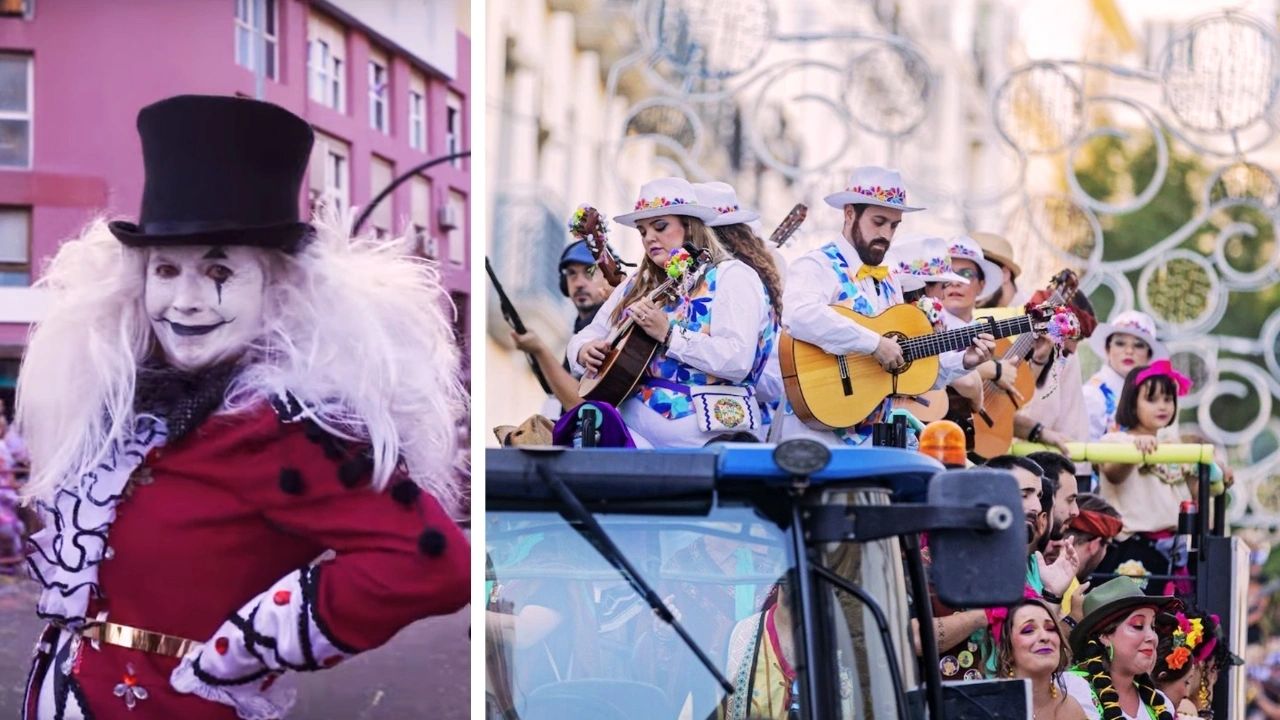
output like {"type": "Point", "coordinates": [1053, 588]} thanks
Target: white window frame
{"type": "Point", "coordinates": [417, 120]}
{"type": "Point", "coordinates": [246, 25]}
{"type": "Point", "coordinates": [458, 236]}
{"type": "Point", "coordinates": [23, 264]}
{"type": "Point", "coordinates": [29, 114]}
{"type": "Point", "coordinates": [326, 86]}
{"type": "Point", "coordinates": [378, 99]}
{"type": "Point", "coordinates": [453, 127]}
{"type": "Point", "coordinates": [337, 178]}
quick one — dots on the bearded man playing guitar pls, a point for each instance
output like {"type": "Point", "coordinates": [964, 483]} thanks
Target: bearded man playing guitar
{"type": "Point", "coordinates": [848, 271]}
{"type": "Point", "coordinates": [713, 330]}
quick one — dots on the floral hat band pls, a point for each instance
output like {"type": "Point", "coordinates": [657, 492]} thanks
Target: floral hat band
{"type": "Point", "coordinates": [658, 202]}
{"type": "Point", "coordinates": [722, 209]}
{"type": "Point", "coordinates": [1164, 368]}
{"type": "Point", "coordinates": [891, 195]}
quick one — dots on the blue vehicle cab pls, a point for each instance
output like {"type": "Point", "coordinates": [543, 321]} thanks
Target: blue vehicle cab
{"type": "Point", "coordinates": [787, 571]}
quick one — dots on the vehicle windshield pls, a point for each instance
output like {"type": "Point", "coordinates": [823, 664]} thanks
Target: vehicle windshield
{"type": "Point", "coordinates": [568, 637]}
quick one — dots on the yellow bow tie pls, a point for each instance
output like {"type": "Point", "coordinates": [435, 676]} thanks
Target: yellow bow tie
{"type": "Point", "coordinates": [876, 272]}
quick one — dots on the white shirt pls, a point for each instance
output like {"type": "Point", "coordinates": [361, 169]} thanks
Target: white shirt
{"type": "Point", "coordinates": [812, 287]}
{"type": "Point", "coordinates": [1059, 405]}
{"type": "Point", "coordinates": [1079, 689]}
{"type": "Point", "coordinates": [738, 316]}
{"type": "Point", "coordinates": [1096, 404]}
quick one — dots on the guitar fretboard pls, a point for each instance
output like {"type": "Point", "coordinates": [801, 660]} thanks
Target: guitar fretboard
{"type": "Point", "coordinates": [960, 338]}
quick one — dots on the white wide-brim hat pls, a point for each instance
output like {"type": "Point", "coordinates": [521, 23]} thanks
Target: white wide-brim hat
{"type": "Point", "coordinates": [922, 258]}
{"type": "Point", "coordinates": [722, 197]}
{"type": "Point", "coordinates": [871, 185]}
{"type": "Point", "coordinates": [963, 247]}
{"type": "Point", "coordinates": [667, 196]}
{"type": "Point", "coordinates": [1129, 322]}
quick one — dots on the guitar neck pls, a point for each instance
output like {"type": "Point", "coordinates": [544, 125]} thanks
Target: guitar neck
{"type": "Point", "coordinates": [960, 338]}
{"type": "Point", "coordinates": [1023, 344]}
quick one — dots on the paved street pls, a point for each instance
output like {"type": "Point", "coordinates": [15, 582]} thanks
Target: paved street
{"type": "Point", "coordinates": [422, 673]}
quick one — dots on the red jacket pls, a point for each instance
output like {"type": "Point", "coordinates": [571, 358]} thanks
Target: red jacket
{"type": "Point", "coordinates": [232, 508]}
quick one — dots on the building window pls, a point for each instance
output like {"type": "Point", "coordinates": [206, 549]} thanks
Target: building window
{"type": "Point", "coordinates": [378, 116]}
{"type": "Point", "coordinates": [15, 111]}
{"type": "Point", "coordinates": [247, 42]}
{"type": "Point", "coordinates": [417, 121]}
{"type": "Point", "coordinates": [330, 173]}
{"type": "Point", "coordinates": [420, 216]}
{"type": "Point", "coordinates": [381, 175]}
{"type": "Point", "coordinates": [453, 127]}
{"type": "Point", "coordinates": [327, 82]}
{"type": "Point", "coordinates": [15, 246]}
{"type": "Point", "coordinates": [454, 222]}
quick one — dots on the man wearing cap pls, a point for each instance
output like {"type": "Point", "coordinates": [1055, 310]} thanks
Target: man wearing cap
{"type": "Point", "coordinates": [997, 249]}
{"type": "Point", "coordinates": [219, 397]}
{"type": "Point", "coordinates": [582, 282]}
{"type": "Point", "coordinates": [1128, 341]}
{"type": "Point", "coordinates": [850, 271]}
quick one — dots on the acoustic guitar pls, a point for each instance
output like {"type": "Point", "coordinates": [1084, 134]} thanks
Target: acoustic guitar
{"type": "Point", "coordinates": [839, 391]}
{"type": "Point", "coordinates": [587, 225]}
{"type": "Point", "coordinates": [789, 225]}
{"type": "Point", "coordinates": [631, 348]}
{"type": "Point", "coordinates": [993, 422]}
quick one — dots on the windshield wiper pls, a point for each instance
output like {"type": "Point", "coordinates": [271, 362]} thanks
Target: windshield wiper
{"type": "Point", "coordinates": [600, 540]}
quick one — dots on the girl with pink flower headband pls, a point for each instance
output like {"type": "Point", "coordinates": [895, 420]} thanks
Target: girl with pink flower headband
{"type": "Point", "coordinates": [1147, 495]}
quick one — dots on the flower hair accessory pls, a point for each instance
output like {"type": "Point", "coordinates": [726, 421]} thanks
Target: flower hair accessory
{"type": "Point", "coordinates": [1165, 368]}
{"type": "Point", "coordinates": [1186, 638]}
{"type": "Point", "coordinates": [679, 263]}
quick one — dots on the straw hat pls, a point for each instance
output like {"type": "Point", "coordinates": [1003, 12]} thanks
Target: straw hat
{"type": "Point", "coordinates": [997, 249]}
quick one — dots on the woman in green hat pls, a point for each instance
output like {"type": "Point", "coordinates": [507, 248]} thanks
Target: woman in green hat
{"type": "Point", "coordinates": [1115, 650]}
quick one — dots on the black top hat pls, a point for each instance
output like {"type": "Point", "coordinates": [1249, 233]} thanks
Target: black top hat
{"type": "Point", "coordinates": [220, 171]}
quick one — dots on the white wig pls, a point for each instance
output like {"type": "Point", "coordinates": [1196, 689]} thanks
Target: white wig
{"type": "Point", "coordinates": [356, 330]}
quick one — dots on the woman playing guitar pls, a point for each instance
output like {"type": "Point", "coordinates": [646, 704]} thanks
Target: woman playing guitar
{"type": "Point", "coordinates": [715, 338]}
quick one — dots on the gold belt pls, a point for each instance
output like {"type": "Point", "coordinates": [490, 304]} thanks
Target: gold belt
{"type": "Point", "coordinates": [101, 631]}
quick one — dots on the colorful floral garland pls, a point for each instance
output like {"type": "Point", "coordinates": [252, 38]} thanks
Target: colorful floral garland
{"type": "Point", "coordinates": [577, 222]}
{"type": "Point", "coordinates": [679, 263]}
{"type": "Point", "coordinates": [658, 202]}
{"type": "Point", "coordinates": [892, 195]}
{"type": "Point", "coordinates": [1098, 674]}
{"type": "Point", "coordinates": [1186, 638]}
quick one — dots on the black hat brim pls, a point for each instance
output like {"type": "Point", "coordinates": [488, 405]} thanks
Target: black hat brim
{"type": "Point", "coordinates": [1082, 632]}
{"type": "Point", "coordinates": [285, 237]}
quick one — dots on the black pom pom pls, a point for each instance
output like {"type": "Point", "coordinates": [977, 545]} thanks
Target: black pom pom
{"type": "Point", "coordinates": [313, 431]}
{"type": "Point", "coordinates": [431, 543]}
{"type": "Point", "coordinates": [353, 470]}
{"type": "Point", "coordinates": [332, 449]}
{"type": "Point", "coordinates": [405, 492]}
{"type": "Point", "coordinates": [291, 481]}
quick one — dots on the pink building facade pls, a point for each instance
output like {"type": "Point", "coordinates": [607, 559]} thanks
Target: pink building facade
{"type": "Point", "coordinates": [92, 65]}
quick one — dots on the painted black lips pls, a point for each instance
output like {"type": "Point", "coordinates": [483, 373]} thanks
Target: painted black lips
{"type": "Point", "coordinates": [190, 330]}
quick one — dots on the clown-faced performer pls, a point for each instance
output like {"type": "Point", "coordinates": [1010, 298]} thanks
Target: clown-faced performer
{"type": "Point", "coordinates": [851, 271]}
{"type": "Point", "coordinates": [716, 337]}
{"type": "Point", "coordinates": [242, 433]}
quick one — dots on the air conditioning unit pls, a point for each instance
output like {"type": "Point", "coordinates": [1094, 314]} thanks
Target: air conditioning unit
{"type": "Point", "coordinates": [449, 218]}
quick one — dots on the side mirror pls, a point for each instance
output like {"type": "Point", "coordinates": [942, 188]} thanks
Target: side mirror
{"type": "Point", "coordinates": [979, 568]}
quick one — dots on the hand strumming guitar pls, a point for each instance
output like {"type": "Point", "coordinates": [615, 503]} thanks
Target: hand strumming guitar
{"type": "Point", "coordinates": [592, 354]}
{"type": "Point", "coordinates": [984, 344]}
{"type": "Point", "coordinates": [651, 318]}
{"type": "Point", "coordinates": [889, 354]}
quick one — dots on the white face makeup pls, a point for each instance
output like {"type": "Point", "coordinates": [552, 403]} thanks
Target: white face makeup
{"type": "Point", "coordinates": [204, 301]}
